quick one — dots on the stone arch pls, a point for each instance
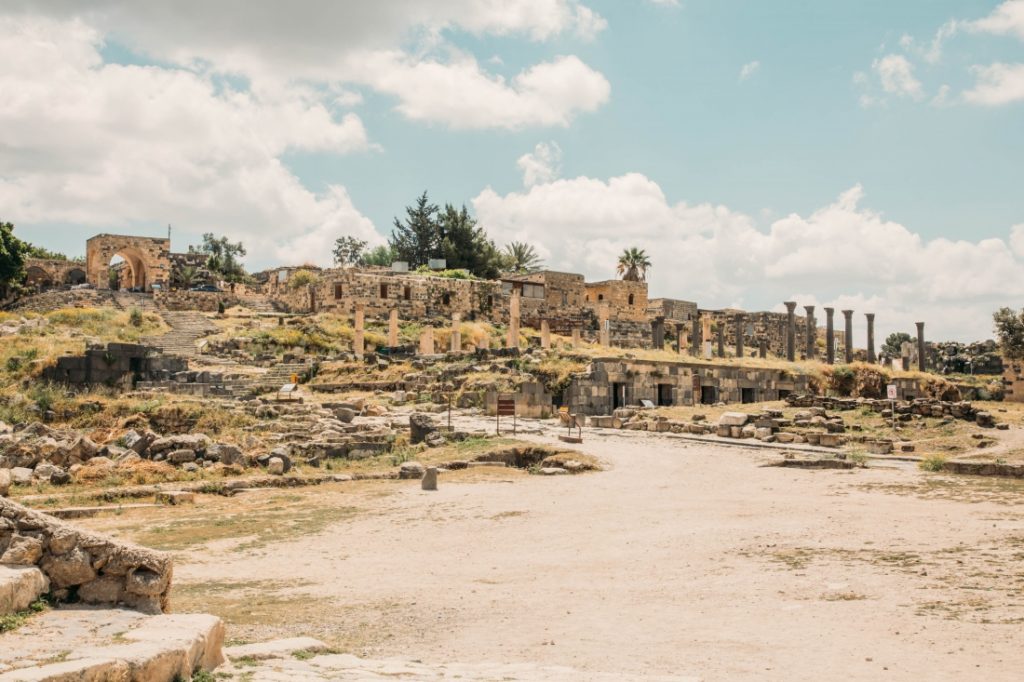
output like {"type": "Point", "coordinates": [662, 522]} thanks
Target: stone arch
{"type": "Point", "coordinates": [36, 276]}
{"type": "Point", "coordinates": [147, 261]}
{"type": "Point", "coordinates": [75, 276]}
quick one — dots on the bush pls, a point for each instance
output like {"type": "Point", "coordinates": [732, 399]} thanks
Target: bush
{"type": "Point", "coordinates": [934, 463]}
{"type": "Point", "coordinates": [302, 278]}
{"type": "Point", "coordinates": [135, 317]}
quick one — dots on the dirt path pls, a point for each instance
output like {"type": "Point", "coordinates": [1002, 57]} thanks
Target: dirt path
{"type": "Point", "coordinates": [682, 559]}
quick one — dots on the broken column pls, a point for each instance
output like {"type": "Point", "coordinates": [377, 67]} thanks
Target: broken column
{"type": "Point", "coordinates": [706, 335]}
{"type": "Point", "coordinates": [358, 337]}
{"type": "Point", "coordinates": [739, 335]}
{"type": "Point", "coordinates": [427, 341]}
{"type": "Point", "coordinates": [830, 336]}
{"type": "Point", "coordinates": [545, 334]}
{"type": "Point", "coordinates": [812, 332]}
{"type": "Point", "coordinates": [762, 349]}
{"type": "Point", "coordinates": [790, 331]}
{"type": "Point", "coordinates": [871, 337]}
{"type": "Point", "coordinates": [393, 328]}
{"type": "Point", "coordinates": [513, 321]}
{"type": "Point", "coordinates": [721, 339]}
{"type": "Point", "coordinates": [695, 339]}
{"type": "Point", "coordinates": [658, 333]}
{"type": "Point", "coordinates": [604, 325]}
{"type": "Point", "coordinates": [456, 342]}
{"type": "Point", "coordinates": [575, 338]}
{"type": "Point", "coordinates": [848, 314]}
{"type": "Point", "coordinates": [920, 347]}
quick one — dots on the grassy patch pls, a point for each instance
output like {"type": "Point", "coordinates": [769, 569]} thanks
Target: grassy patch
{"type": "Point", "coordinates": [13, 621]}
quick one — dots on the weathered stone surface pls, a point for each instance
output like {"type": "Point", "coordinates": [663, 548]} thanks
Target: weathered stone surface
{"type": "Point", "coordinates": [411, 470]}
{"type": "Point", "coordinates": [72, 568]}
{"type": "Point", "coordinates": [429, 481]}
{"type": "Point", "coordinates": [733, 419]}
{"type": "Point", "coordinates": [420, 425]}
{"type": "Point", "coordinates": [274, 648]}
{"type": "Point", "coordinates": [174, 497]}
{"type": "Point", "coordinates": [77, 670]}
{"type": "Point", "coordinates": [103, 590]}
{"type": "Point", "coordinates": [553, 471]}
{"type": "Point", "coordinates": [275, 466]}
{"type": "Point", "coordinates": [19, 587]}
{"type": "Point", "coordinates": [5, 482]}
{"type": "Point", "coordinates": [24, 550]}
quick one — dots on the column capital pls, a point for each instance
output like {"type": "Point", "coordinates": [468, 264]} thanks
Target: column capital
{"type": "Point", "coordinates": [920, 325]}
{"type": "Point", "coordinates": [870, 316]}
{"type": "Point", "coordinates": [848, 313]}
{"type": "Point", "coordinates": [830, 311]}
{"type": "Point", "coordinates": [790, 305]}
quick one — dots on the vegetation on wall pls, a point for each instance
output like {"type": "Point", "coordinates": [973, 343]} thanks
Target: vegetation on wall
{"type": "Point", "coordinates": [1009, 328]}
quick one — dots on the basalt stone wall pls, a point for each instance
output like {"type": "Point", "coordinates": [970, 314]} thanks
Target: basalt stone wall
{"type": "Point", "coordinates": [114, 364]}
{"type": "Point", "coordinates": [84, 566]}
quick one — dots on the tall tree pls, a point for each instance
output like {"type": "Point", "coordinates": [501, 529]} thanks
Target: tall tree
{"type": "Point", "coordinates": [416, 240]}
{"type": "Point", "coordinates": [382, 255]}
{"type": "Point", "coordinates": [223, 257]}
{"type": "Point", "coordinates": [633, 265]}
{"type": "Point", "coordinates": [1009, 327]}
{"type": "Point", "coordinates": [521, 257]}
{"type": "Point", "coordinates": [464, 244]}
{"type": "Point", "coordinates": [893, 346]}
{"type": "Point", "coordinates": [348, 250]}
{"type": "Point", "coordinates": [12, 258]}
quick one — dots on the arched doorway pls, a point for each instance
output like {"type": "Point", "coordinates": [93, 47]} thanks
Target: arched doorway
{"type": "Point", "coordinates": [127, 272]}
{"type": "Point", "coordinates": [36, 277]}
{"type": "Point", "coordinates": [75, 276]}
{"type": "Point", "coordinates": [136, 263]}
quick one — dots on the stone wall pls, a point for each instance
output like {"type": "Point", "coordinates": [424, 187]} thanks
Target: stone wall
{"type": "Point", "coordinates": [84, 566]}
{"type": "Point", "coordinates": [1013, 381]}
{"type": "Point", "coordinates": [117, 363]}
{"type": "Point", "coordinates": [41, 273]}
{"type": "Point", "coordinates": [613, 383]}
{"type": "Point", "coordinates": [531, 401]}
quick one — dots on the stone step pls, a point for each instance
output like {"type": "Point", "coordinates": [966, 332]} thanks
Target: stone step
{"type": "Point", "coordinates": [19, 587]}
{"type": "Point", "coordinates": [111, 644]}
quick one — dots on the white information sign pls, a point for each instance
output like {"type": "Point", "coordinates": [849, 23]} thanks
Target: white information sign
{"type": "Point", "coordinates": [890, 391]}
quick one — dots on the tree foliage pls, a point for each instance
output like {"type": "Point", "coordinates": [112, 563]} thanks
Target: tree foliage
{"type": "Point", "coordinates": [520, 257]}
{"type": "Point", "coordinates": [223, 257]}
{"type": "Point", "coordinates": [450, 233]}
{"type": "Point", "coordinates": [12, 258]}
{"type": "Point", "coordinates": [382, 256]}
{"type": "Point", "coordinates": [1009, 328]}
{"type": "Point", "coordinates": [44, 253]}
{"type": "Point", "coordinates": [348, 250]}
{"type": "Point", "coordinates": [633, 265]}
{"type": "Point", "coordinates": [893, 346]}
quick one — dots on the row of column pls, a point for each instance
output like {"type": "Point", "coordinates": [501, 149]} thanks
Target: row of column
{"type": "Point", "coordinates": [830, 345]}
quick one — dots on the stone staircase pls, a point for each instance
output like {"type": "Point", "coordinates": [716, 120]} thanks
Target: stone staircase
{"type": "Point", "coordinates": [187, 327]}
{"type": "Point", "coordinates": [127, 300]}
{"type": "Point", "coordinates": [279, 375]}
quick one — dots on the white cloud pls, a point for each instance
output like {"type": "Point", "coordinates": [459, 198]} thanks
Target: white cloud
{"type": "Point", "coordinates": [749, 69]}
{"type": "Point", "coordinates": [330, 43]}
{"type": "Point", "coordinates": [845, 253]}
{"type": "Point", "coordinates": [542, 165]}
{"type": "Point", "coordinates": [997, 84]}
{"type": "Point", "coordinates": [1007, 19]}
{"type": "Point", "coordinates": [941, 98]}
{"type": "Point", "coordinates": [896, 75]}
{"type": "Point", "coordinates": [110, 145]}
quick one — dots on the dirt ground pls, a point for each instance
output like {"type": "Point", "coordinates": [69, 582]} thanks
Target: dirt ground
{"type": "Point", "coordinates": [681, 558]}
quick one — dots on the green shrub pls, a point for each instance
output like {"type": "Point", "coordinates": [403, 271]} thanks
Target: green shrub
{"type": "Point", "coordinates": [301, 278]}
{"type": "Point", "coordinates": [934, 463]}
{"type": "Point", "coordinates": [135, 317]}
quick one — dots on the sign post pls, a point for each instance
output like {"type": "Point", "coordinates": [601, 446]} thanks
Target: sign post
{"type": "Point", "coordinates": [892, 393]}
{"type": "Point", "coordinates": [506, 408]}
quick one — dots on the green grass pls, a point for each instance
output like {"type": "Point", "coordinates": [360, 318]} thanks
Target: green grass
{"type": "Point", "coordinates": [13, 621]}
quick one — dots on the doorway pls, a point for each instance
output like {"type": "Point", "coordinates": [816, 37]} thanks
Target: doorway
{"type": "Point", "coordinates": [664, 395]}
{"type": "Point", "coordinates": [618, 395]}
{"type": "Point", "coordinates": [748, 395]}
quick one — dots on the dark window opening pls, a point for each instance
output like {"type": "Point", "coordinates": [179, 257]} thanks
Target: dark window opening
{"type": "Point", "coordinates": [664, 395]}
{"type": "Point", "coordinates": [748, 395]}
{"type": "Point", "coordinates": [446, 299]}
{"type": "Point", "coordinates": [631, 299]}
{"type": "Point", "coordinates": [407, 293]}
{"type": "Point", "coordinates": [784, 393]}
{"type": "Point", "coordinates": [708, 395]}
{"type": "Point", "coordinates": [383, 290]}
{"type": "Point", "coordinates": [600, 297]}
{"type": "Point", "coordinates": [337, 291]}
{"type": "Point", "coordinates": [490, 301]}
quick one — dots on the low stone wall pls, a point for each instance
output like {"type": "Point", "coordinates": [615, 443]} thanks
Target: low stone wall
{"type": "Point", "coordinates": [532, 401]}
{"type": "Point", "coordinates": [205, 301]}
{"type": "Point", "coordinates": [116, 363]}
{"type": "Point", "coordinates": [84, 566]}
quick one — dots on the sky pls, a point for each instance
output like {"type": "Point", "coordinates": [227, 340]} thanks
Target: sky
{"type": "Point", "coordinates": [862, 155]}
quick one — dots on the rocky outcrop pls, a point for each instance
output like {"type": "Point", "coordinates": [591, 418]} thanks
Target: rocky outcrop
{"type": "Point", "coordinates": [81, 565]}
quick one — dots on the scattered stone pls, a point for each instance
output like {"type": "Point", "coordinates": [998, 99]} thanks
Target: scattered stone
{"type": "Point", "coordinates": [23, 550]}
{"type": "Point", "coordinates": [411, 470]}
{"type": "Point", "coordinates": [5, 482]}
{"type": "Point", "coordinates": [733, 419]}
{"type": "Point", "coordinates": [429, 481]}
{"type": "Point", "coordinates": [275, 466]}
{"type": "Point", "coordinates": [175, 497]}
{"type": "Point", "coordinates": [553, 471]}
{"type": "Point", "coordinates": [420, 426]}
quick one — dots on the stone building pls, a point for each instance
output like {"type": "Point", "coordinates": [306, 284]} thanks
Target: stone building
{"type": "Point", "coordinates": [115, 364]}
{"type": "Point", "coordinates": [147, 260]}
{"type": "Point", "coordinates": [611, 383]}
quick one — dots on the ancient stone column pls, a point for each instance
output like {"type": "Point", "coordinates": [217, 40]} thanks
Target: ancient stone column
{"type": "Point", "coordinates": [790, 331]}
{"type": "Point", "coordinates": [739, 335]}
{"type": "Point", "coordinates": [762, 349]}
{"type": "Point", "coordinates": [545, 334]}
{"type": "Point", "coordinates": [871, 337]}
{"type": "Point", "coordinates": [706, 335]}
{"type": "Point", "coordinates": [604, 327]}
{"type": "Point", "coordinates": [357, 340]}
{"type": "Point", "coordinates": [513, 321]}
{"type": "Point", "coordinates": [920, 347]}
{"type": "Point", "coordinates": [721, 339]}
{"type": "Point", "coordinates": [456, 342]}
{"type": "Point", "coordinates": [575, 338]}
{"type": "Point", "coordinates": [427, 341]}
{"type": "Point", "coordinates": [848, 314]}
{"type": "Point", "coordinates": [695, 339]}
{"type": "Point", "coordinates": [658, 334]}
{"type": "Point", "coordinates": [393, 328]}
{"type": "Point", "coordinates": [681, 339]}
{"type": "Point", "coordinates": [830, 336]}
{"type": "Point", "coordinates": [812, 332]}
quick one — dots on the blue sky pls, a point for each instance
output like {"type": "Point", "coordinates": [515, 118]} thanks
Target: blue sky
{"type": "Point", "coordinates": [834, 152]}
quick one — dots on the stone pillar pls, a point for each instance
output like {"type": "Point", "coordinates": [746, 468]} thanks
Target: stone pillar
{"type": "Point", "coordinates": [848, 314]}
{"type": "Point", "coordinates": [920, 347]}
{"type": "Point", "coordinates": [513, 321]}
{"type": "Point", "coordinates": [706, 335]}
{"type": "Point", "coordinates": [812, 332]}
{"type": "Point", "coordinates": [721, 339]}
{"type": "Point", "coordinates": [427, 341]}
{"type": "Point", "coordinates": [604, 330]}
{"type": "Point", "coordinates": [739, 335]}
{"type": "Point", "coordinates": [830, 336]}
{"type": "Point", "coordinates": [393, 328]}
{"type": "Point", "coordinates": [762, 349]}
{"type": "Point", "coordinates": [456, 342]}
{"type": "Point", "coordinates": [695, 339]}
{"type": "Point", "coordinates": [358, 338]}
{"type": "Point", "coordinates": [575, 338]}
{"type": "Point", "coordinates": [545, 334]}
{"type": "Point", "coordinates": [871, 337]}
{"type": "Point", "coordinates": [681, 339]}
{"type": "Point", "coordinates": [790, 331]}
{"type": "Point", "coordinates": [658, 334]}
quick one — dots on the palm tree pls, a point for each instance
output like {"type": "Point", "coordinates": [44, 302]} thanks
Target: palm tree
{"type": "Point", "coordinates": [522, 257]}
{"type": "Point", "coordinates": [186, 276]}
{"type": "Point", "coordinates": [633, 265]}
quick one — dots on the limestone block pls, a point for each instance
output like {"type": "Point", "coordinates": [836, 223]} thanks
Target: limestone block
{"type": "Point", "coordinates": [19, 587]}
{"type": "Point", "coordinates": [733, 419]}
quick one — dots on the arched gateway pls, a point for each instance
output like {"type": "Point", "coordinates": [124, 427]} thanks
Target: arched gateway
{"type": "Point", "coordinates": [146, 261]}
